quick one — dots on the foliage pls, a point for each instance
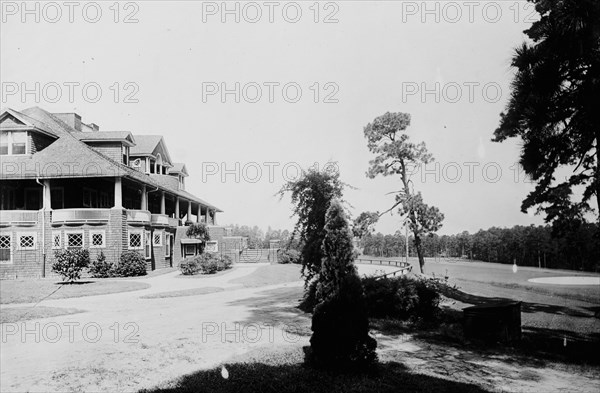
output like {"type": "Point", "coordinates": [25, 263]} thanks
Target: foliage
{"type": "Point", "coordinates": [199, 230]}
{"type": "Point", "coordinates": [553, 107]}
{"type": "Point", "coordinates": [338, 253]}
{"type": "Point", "coordinates": [403, 298]}
{"type": "Point", "coordinates": [70, 262]}
{"type": "Point", "coordinates": [131, 264]}
{"type": "Point", "coordinates": [576, 247]}
{"type": "Point", "coordinates": [205, 264]}
{"type": "Point", "coordinates": [363, 224]}
{"type": "Point", "coordinates": [189, 266]}
{"type": "Point", "coordinates": [288, 256]}
{"type": "Point", "coordinates": [100, 268]}
{"type": "Point", "coordinates": [340, 324]}
{"type": "Point", "coordinates": [309, 299]}
{"type": "Point", "coordinates": [311, 195]}
{"type": "Point", "coordinates": [395, 155]}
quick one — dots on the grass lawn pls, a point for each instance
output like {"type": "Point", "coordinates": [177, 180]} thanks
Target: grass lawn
{"type": "Point", "coordinates": [33, 291]}
{"type": "Point", "coordinates": [16, 314]}
{"type": "Point", "coordinates": [270, 275]}
{"type": "Point", "coordinates": [282, 371]}
{"type": "Point", "coordinates": [183, 292]}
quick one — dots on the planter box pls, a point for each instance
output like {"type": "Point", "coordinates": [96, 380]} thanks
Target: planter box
{"type": "Point", "coordinates": [493, 322]}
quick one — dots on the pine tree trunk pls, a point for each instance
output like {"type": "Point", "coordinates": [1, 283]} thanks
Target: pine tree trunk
{"type": "Point", "coordinates": [418, 246]}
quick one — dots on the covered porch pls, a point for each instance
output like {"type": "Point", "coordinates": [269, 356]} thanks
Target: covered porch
{"type": "Point", "coordinates": [80, 200]}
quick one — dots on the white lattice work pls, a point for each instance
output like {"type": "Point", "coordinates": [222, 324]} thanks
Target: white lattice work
{"type": "Point", "coordinates": [5, 249]}
{"type": "Point", "coordinates": [27, 241]}
{"type": "Point", "coordinates": [75, 240]}
{"type": "Point", "coordinates": [135, 240]}
{"type": "Point", "coordinates": [5, 242]}
{"type": "Point", "coordinates": [158, 239]}
{"type": "Point", "coordinates": [56, 240]}
{"type": "Point", "coordinates": [98, 239]}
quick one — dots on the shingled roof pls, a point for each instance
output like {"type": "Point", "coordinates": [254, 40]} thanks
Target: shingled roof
{"type": "Point", "coordinates": [106, 136]}
{"type": "Point", "coordinates": [70, 157]}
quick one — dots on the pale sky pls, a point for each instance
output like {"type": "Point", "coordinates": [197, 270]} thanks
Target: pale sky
{"type": "Point", "coordinates": [367, 63]}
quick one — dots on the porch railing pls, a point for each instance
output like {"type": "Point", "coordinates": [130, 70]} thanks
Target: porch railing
{"type": "Point", "coordinates": [18, 217]}
{"type": "Point", "coordinates": [174, 222]}
{"type": "Point", "coordinates": [139, 216]}
{"type": "Point", "coordinates": [80, 216]}
{"type": "Point", "coordinates": [160, 219]}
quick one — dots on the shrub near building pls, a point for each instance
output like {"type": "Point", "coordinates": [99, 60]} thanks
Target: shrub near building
{"type": "Point", "coordinates": [205, 264]}
{"type": "Point", "coordinates": [69, 263]}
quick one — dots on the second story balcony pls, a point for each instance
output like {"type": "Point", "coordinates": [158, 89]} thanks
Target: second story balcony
{"type": "Point", "coordinates": [140, 217]}
{"type": "Point", "coordinates": [18, 218]}
{"type": "Point", "coordinates": [80, 216]}
{"type": "Point", "coordinates": [160, 220]}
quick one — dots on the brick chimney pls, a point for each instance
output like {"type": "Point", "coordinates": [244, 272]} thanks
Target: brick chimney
{"type": "Point", "coordinates": [72, 119]}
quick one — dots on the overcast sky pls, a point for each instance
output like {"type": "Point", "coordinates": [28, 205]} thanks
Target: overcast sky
{"type": "Point", "coordinates": [375, 57]}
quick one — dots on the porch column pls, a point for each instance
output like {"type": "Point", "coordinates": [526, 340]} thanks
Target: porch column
{"type": "Point", "coordinates": [198, 216]}
{"type": "Point", "coordinates": [47, 201]}
{"type": "Point", "coordinates": [144, 205]}
{"type": "Point", "coordinates": [177, 207]}
{"type": "Point", "coordinates": [118, 193]}
{"type": "Point", "coordinates": [162, 202]}
{"type": "Point", "coordinates": [215, 217]}
{"type": "Point", "coordinates": [189, 213]}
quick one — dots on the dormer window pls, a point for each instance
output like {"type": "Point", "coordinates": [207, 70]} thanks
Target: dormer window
{"type": "Point", "coordinates": [125, 151]}
{"type": "Point", "coordinates": [158, 168]}
{"type": "Point", "coordinates": [13, 143]}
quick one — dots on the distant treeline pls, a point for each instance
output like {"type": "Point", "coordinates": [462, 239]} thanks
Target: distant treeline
{"type": "Point", "coordinates": [576, 249]}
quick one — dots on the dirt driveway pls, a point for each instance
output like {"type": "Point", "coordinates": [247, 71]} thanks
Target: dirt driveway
{"type": "Point", "coordinates": [132, 340]}
{"type": "Point", "coordinates": [125, 342]}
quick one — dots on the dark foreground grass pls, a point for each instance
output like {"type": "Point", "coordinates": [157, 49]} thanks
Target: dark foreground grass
{"type": "Point", "coordinates": [33, 291]}
{"type": "Point", "coordinates": [16, 314]}
{"type": "Point", "coordinates": [284, 372]}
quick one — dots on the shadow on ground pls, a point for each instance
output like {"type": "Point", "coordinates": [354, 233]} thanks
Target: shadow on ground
{"type": "Point", "coordinates": [277, 307]}
{"type": "Point", "coordinates": [260, 377]}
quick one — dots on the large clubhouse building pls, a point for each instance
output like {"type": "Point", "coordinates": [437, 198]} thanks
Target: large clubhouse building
{"type": "Point", "coordinates": [66, 184]}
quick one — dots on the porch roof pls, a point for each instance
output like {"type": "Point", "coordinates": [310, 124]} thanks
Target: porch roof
{"type": "Point", "coordinates": [191, 241]}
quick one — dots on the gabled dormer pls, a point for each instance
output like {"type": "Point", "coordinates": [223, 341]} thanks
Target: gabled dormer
{"type": "Point", "coordinates": [21, 135]}
{"type": "Point", "coordinates": [150, 155]}
{"type": "Point", "coordinates": [180, 171]}
{"type": "Point", "coordinates": [114, 144]}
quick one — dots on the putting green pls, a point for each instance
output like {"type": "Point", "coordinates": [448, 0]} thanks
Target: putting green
{"type": "Point", "coordinates": [568, 280]}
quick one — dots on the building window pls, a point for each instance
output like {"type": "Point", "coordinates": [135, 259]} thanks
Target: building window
{"type": "Point", "coordinates": [90, 198]}
{"type": "Point", "coordinates": [125, 150]}
{"type": "Point", "coordinates": [4, 143]}
{"type": "Point", "coordinates": [168, 244]}
{"type": "Point", "coordinates": [105, 200]}
{"type": "Point", "coordinates": [189, 249]}
{"type": "Point", "coordinates": [74, 240]}
{"type": "Point", "coordinates": [97, 239]}
{"type": "Point", "coordinates": [5, 251]}
{"type": "Point", "coordinates": [27, 241]}
{"type": "Point", "coordinates": [13, 143]}
{"type": "Point", "coordinates": [7, 198]}
{"type": "Point", "coordinates": [56, 240]}
{"type": "Point", "coordinates": [148, 246]}
{"type": "Point", "coordinates": [212, 246]}
{"type": "Point", "coordinates": [135, 240]}
{"type": "Point", "coordinates": [157, 238]}
{"type": "Point", "coordinates": [19, 143]}
{"type": "Point", "coordinates": [57, 195]}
